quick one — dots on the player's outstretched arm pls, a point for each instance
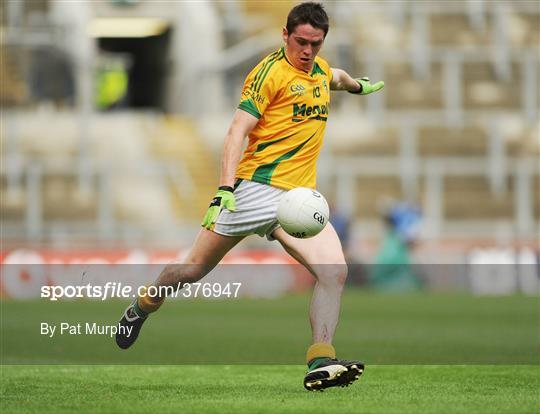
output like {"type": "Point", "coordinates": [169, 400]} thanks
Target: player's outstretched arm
{"type": "Point", "coordinates": [240, 127]}
{"type": "Point", "coordinates": [342, 81]}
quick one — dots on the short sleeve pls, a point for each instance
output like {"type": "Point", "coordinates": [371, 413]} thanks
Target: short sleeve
{"type": "Point", "coordinates": [259, 89]}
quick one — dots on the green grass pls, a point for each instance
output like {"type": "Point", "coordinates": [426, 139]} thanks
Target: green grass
{"type": "Point", "coordinates": [380, 329]}
{"type": "Point", "coordinates": [267, 389]}
{"type": "Point", "coordinates": [450, 353]}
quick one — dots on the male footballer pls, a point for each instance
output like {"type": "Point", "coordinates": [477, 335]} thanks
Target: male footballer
{"type": "Point", "coordinates": [283, 112]}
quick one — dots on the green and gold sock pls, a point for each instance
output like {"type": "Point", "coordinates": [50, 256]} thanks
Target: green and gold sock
{"type": "Point", "coordinates": [319, 352]}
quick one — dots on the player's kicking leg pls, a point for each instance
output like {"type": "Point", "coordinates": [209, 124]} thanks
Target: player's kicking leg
{"type": "Point", "coordinates": [323, 256]}
{"type": "Point", "coordinates": [206, 252]}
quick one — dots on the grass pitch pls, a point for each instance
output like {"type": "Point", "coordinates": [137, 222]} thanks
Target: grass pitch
{"type": "Point", "coordinates": [424, 353]}
{"type": "Point", "coordinates": [267, 389]}
{"type": "Point", "coordinates": [429, 329]}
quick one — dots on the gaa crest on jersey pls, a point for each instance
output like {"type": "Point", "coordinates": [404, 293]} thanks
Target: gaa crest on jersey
{"type": "Point", "coordinates": [297, 89]}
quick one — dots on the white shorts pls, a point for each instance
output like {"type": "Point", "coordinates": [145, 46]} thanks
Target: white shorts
{"type": "Point", "coordinates": [256, 211]}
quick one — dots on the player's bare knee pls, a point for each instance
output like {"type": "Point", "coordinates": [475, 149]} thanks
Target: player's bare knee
{"type": "Point", "coordinates": [342, 270]}
{"type": "Point", "coordinates": [333, 274]}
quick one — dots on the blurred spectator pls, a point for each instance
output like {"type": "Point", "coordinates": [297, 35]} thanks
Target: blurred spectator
{"type": "Point", "coordinates": [342, 224]}
{"type": "Point", "coordinates": [111, 85]}
{"type": "Point", "coordinates": [393, 270]}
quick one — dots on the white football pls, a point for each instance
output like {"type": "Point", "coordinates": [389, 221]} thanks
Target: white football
{"type": "Point", "coordinates": [303, 212]}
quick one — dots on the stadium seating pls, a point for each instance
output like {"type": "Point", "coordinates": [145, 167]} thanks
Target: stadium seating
{"type": "Point", "coordinates": [176, 140]}
{"type": "Point", "coordinates": [410, 92]}
{"type": "Point", "coordinates": [14, 91]}
{"type": "Point", "coordinates": [461, 85]}
{"type": "Point", "coordinates": [469, 198]}
{"type": "Point", "coordinates": [442, 141]}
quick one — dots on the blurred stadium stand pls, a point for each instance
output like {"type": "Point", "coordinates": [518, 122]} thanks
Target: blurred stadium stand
{"type": "Point", "coordinates": [456, 127]}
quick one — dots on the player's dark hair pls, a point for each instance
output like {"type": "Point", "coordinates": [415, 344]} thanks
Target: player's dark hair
{"type": "Point", "coordinates": [308, 13]}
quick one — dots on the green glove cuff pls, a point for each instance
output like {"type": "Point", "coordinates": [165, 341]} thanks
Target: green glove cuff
{"type": "Point", "coordinates": [366, 87]}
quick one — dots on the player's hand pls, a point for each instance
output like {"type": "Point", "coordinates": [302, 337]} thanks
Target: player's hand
{"type": "Point", "coordinates": [366, 86]}
{"type": "Point", "coordinates": [224, 198]}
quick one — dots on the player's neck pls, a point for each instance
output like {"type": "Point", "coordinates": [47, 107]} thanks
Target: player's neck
{"type": "Point", "coordinates": [290, 62]}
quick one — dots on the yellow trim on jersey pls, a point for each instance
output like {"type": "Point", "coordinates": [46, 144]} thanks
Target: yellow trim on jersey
{"type": "Point", "coordinates": [292, 107]}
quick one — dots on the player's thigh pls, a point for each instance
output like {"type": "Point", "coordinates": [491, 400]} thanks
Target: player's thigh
{"type": "Point", "coordinates": [206, 252]}
{"type": "Point", "coordinates": [209, 248]}
{"type": "Point", "coordinates": [322, 254]}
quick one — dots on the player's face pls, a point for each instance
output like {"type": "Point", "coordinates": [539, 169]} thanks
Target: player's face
{"type": "Point", "coordinates": [302, 45]}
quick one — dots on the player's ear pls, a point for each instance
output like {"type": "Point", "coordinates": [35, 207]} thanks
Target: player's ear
{"type": "Point", "coordinates": [285, 34]}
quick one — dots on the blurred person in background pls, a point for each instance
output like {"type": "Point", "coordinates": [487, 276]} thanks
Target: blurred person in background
{"type": "Point", "coordinates": [112, 81]}
{"type": "Point", "coordinates": [342, 224]}
{"type": "Point", "coordinates": [283, 112]}
{"type": "Point", "coordinates": [393, 270]}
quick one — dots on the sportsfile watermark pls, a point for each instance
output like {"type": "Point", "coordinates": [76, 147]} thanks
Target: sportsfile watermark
{"type": "Point", "coordinates": [58, 282]}
{"type": "Point", "coordinates": [118, 290]}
